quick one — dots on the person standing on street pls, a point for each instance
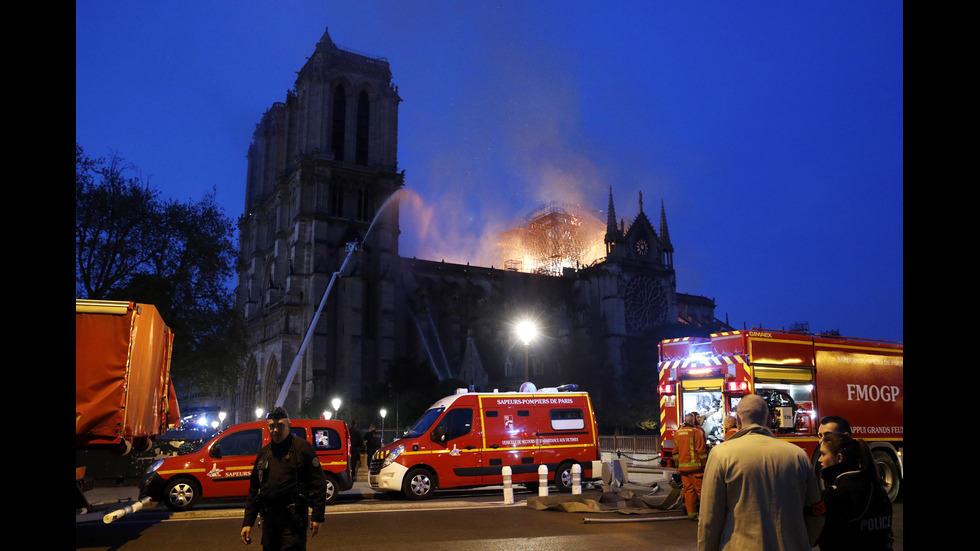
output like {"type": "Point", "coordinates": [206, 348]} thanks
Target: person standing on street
{"type": "Point", "coordinates": [859, 513]}
{"type": "Point", "coordinates": [691, 456]}
{"type": "Point", "coordinates": [730, 426]}
{"type": "Point", "coordinates": [833, 424]}
{"type": "Point", "coordinates": [356, 448]}
{"type": "Point", "coordinates": [370, 441]}
{"type": "Point", "coordinates": [287, 481]}
{"type": "Point", "coordinates": [759, 492]}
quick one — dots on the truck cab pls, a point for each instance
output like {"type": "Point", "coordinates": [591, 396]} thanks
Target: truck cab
{"type": "Point", "coordinates": [221, 467]}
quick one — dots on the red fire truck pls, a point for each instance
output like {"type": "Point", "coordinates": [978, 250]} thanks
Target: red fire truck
{"type": "Point", "coordinates": [802, 377]}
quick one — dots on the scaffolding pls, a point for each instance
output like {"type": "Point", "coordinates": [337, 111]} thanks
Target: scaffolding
{"type": "Point", "coordinates": [553, 237]}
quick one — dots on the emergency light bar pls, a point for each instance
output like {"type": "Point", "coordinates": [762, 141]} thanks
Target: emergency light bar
{"type": "Point", "coordinates": [711, 370]}
{"type": "Point", "coordinates": [737, 386]}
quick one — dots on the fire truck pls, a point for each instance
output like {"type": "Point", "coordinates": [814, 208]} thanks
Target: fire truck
{"type": "Point", "coordinates": [802, 377]}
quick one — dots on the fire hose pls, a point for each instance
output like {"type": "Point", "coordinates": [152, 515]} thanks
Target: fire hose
{"type": "Point", "coordinates": [132, 508]}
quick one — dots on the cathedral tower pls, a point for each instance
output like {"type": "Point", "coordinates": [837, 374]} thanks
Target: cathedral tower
{"type": "Point", "coordinates": [322, 167]}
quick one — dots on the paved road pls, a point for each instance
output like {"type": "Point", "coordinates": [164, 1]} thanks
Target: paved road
{"type": "Point", "coordinates": [363, 519]}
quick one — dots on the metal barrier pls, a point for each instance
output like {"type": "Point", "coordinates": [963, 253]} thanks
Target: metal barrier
{"type": "Point", "coordinates": [630, 444]}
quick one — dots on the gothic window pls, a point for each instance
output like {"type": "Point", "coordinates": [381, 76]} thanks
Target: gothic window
{"type": "Point", "coordinates": [337, 135]}
{"type": "Point", "coordinates": [336, 199]}
{"type": "Point", "coordinates": [646, 303]}
{"type": "Point", "coordinates": [363, 120]}
{"type": "Point", "coordinates": [364, 206]}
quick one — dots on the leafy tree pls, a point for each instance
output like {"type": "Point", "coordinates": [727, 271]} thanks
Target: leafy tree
{"type": "Point", "coordinates": [130, 244]}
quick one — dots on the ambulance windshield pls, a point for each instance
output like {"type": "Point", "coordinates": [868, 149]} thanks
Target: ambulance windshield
{"type": "Point", "coordinates": [424, 423]}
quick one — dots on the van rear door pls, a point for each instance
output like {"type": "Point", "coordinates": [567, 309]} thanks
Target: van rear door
{"type": "Point", "coordinates": [563, 429]}
{"type": "Point", "coordinates": [332, 450]}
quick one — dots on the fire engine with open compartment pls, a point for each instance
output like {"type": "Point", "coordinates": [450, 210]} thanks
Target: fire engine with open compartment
{"type": "Point", "coordinates": [803, 377]}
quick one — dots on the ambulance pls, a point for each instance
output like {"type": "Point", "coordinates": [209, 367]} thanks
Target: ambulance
{"type": "Point", "coordinates": [466, 440]}
{"type": "Point", "coordinates": [220, 469]}
{"type": "Point", "coordinates": [802, 377]}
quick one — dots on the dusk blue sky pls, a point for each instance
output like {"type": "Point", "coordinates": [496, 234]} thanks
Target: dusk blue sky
{"type": "Point", "coordinates": [772, 131]}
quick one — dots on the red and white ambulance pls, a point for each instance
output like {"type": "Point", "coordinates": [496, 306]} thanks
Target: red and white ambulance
{"type": "Point", "coordinates": [803, 378]}
{"type": "Point", "coordinates": [466, 439]}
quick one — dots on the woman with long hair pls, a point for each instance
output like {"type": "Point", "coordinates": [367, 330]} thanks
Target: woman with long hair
{"type": "Point", "coordinates": [859, 513]}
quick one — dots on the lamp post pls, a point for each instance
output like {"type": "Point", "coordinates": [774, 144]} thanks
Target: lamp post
{"type": "Point", "coordinates": [336, 407]}
{"type": "Point", "coordinates": [384, 412]}
{"type": "Point", "coordinates": [526, 331]}
{"type": "Point", "coordinates": [259, 412]}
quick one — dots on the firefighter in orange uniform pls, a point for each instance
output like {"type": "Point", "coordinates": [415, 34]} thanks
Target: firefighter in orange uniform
{"type": "Point", "coordinates": [692, 453]}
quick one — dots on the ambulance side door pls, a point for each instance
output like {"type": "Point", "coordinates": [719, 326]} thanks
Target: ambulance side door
{"type": "Point", "coordinates": [511, 442]}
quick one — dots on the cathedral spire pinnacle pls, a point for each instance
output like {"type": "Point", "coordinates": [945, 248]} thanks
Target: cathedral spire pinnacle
{"type": "Point", "coordinates": [664, 234]}
{"type": "Point", "coordinates": [325, 40]}
{"type": "Point", "coordinates": [612, 232]}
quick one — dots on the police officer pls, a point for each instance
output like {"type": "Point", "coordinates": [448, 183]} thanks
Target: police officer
{"type": "Point", "coordinates": [692, 454]}
{"type": "Point", "coordinates": [287, 480]}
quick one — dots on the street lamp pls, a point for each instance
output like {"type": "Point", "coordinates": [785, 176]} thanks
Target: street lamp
{"type": "Point", "coordinates": [327, 415]}
{"type": "Point", "coordinates": [336, 407]}
{"type": "Point", "coordinates": [259, 412]}
{"type": "Point", "coordinates": [526, 331]}
{"type": "Point", "coordinates": [384, 412]}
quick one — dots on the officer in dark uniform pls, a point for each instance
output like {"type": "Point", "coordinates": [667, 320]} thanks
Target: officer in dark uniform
{"type": "Point", "coordinates": [287, 480]}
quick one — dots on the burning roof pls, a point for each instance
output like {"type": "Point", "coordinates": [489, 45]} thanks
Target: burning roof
{"type": "Point", "coordinates": [553, 237]}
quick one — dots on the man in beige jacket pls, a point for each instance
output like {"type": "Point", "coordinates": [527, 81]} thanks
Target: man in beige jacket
{"type": "Point", "coordinates": [759, 492]}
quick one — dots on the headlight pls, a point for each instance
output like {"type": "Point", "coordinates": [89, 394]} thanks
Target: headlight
{"type": "Point", "coordinates": [155, 466]}
{"type": "Point", "coordinates": [392, 455]}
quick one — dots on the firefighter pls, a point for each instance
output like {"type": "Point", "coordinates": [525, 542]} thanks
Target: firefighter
{"type": "Point", "coordinates": [731, 426]}
{"type": "Point", "coordinates": [692, 453]}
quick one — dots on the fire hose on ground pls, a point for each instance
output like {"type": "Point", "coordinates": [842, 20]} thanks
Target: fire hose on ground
{"type": "Point", "coordinates": [132, 508]}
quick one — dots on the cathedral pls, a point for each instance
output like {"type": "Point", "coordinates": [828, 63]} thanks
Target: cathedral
{"type": "Point", "coordinates": [321, 213]}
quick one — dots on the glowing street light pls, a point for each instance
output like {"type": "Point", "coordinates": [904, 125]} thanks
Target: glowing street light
{"type": "Point", "coordinates": [384, 413]}
{"type": "Point", "coordinates": [526, 331]}
{"type": "Point", "coordinates": [259, 412]}
{"type": "Point", "coordinates": [336, 407]}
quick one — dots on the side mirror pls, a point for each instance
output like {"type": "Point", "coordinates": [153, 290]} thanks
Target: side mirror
{"type": "Point", "coordinates": [439, 434]}
{"type": "Point", "coordinates": [215, 451]}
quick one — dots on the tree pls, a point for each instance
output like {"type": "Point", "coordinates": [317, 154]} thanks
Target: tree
{"type": "Point", "coordinates": [132, 245]}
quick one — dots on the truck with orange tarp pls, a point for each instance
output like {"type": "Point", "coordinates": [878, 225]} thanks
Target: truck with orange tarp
{"type": "Point", "coordinates": [124, 397]}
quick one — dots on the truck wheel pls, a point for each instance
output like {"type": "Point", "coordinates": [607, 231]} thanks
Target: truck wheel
{"type": "Point", "coordinates": [889, 473]}
{"type": "Point", "coordinates": [331, 488]}
{"type": "Point", "coordinates": [180, 494]}
{"type": "Point", "coordinates": [418, 484]}
{"type": "Point", "coordinates": [563, 478]}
